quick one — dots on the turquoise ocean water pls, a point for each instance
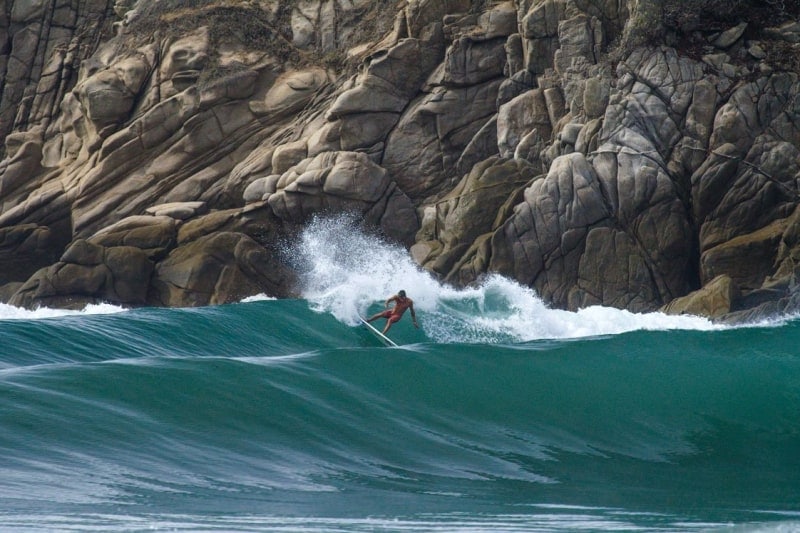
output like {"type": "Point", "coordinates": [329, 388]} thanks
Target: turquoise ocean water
{"type": "Point", "coordinates": [497, 415]}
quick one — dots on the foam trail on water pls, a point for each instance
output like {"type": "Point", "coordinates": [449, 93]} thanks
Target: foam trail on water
{"type": "Point", "coordinates": [9, 312]}
{"type": "Point", "coordinates": [500, 309]}
{"type": "Point", "coordinates": [258, 298]}
{"type": "Point", "coordinates": [345, 271]}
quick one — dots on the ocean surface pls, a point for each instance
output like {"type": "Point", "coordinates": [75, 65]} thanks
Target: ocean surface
{"type": "Point", "coordinates": [498, 414]}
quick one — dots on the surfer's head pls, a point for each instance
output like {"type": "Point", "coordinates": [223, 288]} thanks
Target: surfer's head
{"type": "Point", "coordinates": [401, 294]}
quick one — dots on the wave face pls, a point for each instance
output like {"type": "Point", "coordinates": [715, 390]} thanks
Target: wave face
{"type": "Point", "coordinates": [497, 415]}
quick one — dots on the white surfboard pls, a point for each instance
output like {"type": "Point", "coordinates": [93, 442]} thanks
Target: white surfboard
{"type": "Point", "coordinates": [380, 336]}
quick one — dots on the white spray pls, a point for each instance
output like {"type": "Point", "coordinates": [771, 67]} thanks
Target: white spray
{"type": "Point", "coordinates": [9, 312]}
{"type": "Point", "coordinates": [345, 271]}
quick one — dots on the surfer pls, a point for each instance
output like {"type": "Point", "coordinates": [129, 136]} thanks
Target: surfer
{"type": "Point", "coordinates": [401, 303]}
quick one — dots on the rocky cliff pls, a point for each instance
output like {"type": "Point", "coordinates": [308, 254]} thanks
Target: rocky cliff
{"type": "Point", "coordinates": [641, 154]}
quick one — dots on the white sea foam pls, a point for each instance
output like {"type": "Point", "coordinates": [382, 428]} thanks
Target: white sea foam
{"type": "Point", "coordinates": [346, 271]}
{"type": "Point", "coordinates": [9, 312]}
{"type": "Point", "coordinates": [258, 298]}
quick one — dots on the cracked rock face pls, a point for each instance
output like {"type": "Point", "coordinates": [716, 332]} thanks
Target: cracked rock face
{"type": "Point", "coordinates": [157, 153]}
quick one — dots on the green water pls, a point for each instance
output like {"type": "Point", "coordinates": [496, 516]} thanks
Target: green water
{"type": "Point", "coordinates": [499, 414]}
{"type": "Point", "coordinates": [270, 415]}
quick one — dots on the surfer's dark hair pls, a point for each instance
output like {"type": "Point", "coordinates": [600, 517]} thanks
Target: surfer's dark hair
{"type": "Point", "coordinates": [401, 293]}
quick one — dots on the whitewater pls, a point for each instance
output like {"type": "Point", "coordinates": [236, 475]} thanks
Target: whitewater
{"type": "Point", "coordinates": [346, 271]}
{"type": "Point", "coordinates": [498, 414]}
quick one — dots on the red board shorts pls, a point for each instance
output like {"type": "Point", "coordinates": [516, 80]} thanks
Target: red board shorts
{"type": "Point", "coordinates": [391, 317]}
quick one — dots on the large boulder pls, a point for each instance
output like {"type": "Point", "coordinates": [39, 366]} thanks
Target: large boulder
{"type": "Point", "coordinates": [745, 259]}
{"type": "Point", "coordinates": [714, 300]}
{"type": "Point", "coordinates": [452, 225]}
{"type": "Point", "coordinates": [519, 118]}
{"type": "Point", "coordinates": [25, 249]}
{"type": "Point", "coordinates": [155, 235]}
{"type": "Point", "coordinates": [89, 273]}
{"type": "Point", "coordinates": [218, 268]}
{"type": "Point", "coordinates": [344, 182]}
{"type": "Point", "coordinates": [290, 92]}
{"type": "Point", "coordinates": [753, 160]}
{"type": "Point", "coordinates": [422, 151]}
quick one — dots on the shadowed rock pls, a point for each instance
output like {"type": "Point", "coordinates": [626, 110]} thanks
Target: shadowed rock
{"type": "Point", "coordinates": [716, 299]}
{"type": "Point", "coordinates": [219, 268]}
{"type": "Point", "coordinates": [155, 153]}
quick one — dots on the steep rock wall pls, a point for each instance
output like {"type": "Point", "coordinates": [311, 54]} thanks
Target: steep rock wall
{"type": "Point", "coordinates": [601, 151]}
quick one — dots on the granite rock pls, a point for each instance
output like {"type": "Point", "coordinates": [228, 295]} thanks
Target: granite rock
{"type": "Point", "coordinates": [153, 156]}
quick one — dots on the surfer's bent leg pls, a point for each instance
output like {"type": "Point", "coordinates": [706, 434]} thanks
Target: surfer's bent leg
{"type": "Point", "coordinates": [391, 319]}
{"type": "Point", "coordinates": [382, 314]}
